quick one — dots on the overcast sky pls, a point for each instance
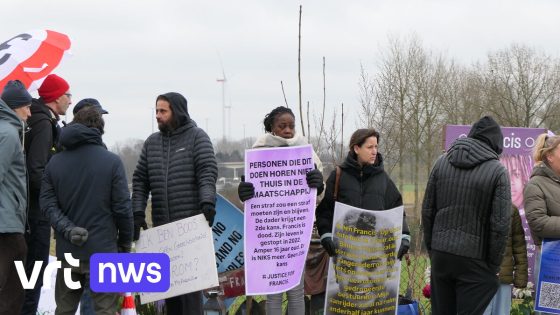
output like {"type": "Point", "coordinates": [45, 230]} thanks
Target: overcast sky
{"type": "Point", "coordinates": [126, 52]}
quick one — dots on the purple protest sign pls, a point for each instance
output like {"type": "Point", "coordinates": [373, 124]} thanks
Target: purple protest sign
{"type": "Point", "coordinates": [516, 157]}
{"type": "Point", "coordinates": [279, 219]}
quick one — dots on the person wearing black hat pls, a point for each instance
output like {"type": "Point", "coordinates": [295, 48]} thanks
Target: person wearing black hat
{"type": "Point", "coordinates": [466, 215]}
{"type": "Point", "coordinates": [13, 201]}
{"type": "Point", "coordinates": [18, 99]}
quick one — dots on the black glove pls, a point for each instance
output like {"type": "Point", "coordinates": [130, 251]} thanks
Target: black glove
{"type": "Point", "coordinates": [328, 245]}
{"type": "Point", "coordinates": [209, 213]}
{"type": "Point", "coordinates": [139, 222]}
{"type": "Point", "coordinates": [405, 245]}
{"type": "Point", "coordinates": [315, 180]}
{"type": "Point", "coordinates": [245, 190]}
{"type": "Point", "coordinates": [77, 235]}
{"type": "Point", "coordinates": [124, 248]}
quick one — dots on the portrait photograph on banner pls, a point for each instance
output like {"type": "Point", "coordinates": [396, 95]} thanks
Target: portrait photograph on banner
{"type": "Point", "coordinates": [364, 275]}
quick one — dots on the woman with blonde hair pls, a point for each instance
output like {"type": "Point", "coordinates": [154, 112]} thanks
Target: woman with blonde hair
{"type": "Point", "coordinates": [542, 193]}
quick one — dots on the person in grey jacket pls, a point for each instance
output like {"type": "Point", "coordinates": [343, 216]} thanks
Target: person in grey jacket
{"type": "Point", "coordinates": [542, 193]}
{"type": "Point", "coordinates": [466, 217]}
{"type": "Point", "coordinates": [13, 194]}
{"type": "Point", "coordinates": [178, 166]}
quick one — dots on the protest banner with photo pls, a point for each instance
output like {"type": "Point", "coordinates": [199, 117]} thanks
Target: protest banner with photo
{"type": "Point", "coordinates": [548, 286]}
{"type": "Point", "coordinates": [364, 275]}
{"type": "Point", "coordinates": [279, 219]}
{"type": "Point", "coordinates": [190, 247]}
{"type": "Point", "coordinates": [228, 235]}
{"type": "Point", "coordinates": [517, 158]}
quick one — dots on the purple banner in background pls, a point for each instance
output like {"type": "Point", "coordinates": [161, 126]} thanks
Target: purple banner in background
{"type": "Point", "coordinates": [516, 140]}
{"type": "Point", "coordinates": [279, 219]}
{"type": "Point", "coordinates": [517, 158]}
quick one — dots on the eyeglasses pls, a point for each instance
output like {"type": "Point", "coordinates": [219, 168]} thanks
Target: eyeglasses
{"type": "Point", "coordinates": [69, 95]}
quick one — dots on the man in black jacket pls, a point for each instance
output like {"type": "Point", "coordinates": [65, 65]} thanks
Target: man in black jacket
{"type": "Point", "coordinates": [178, 166]}
{"type": "Point", "coordinates": [40, 145]}
{"type": "Point", "coordinates": [466, 216]}
{"type": "Point", "coordinates": [85, 196]}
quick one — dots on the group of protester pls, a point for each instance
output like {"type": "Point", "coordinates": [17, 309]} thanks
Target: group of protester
{"type": "Point", "coordinates": [473, 230]}
{"type": "Point", "coordinates": [65, 178]}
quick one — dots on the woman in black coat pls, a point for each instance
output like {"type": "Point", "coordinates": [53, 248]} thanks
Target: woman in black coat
{"type": "Point", "coordinates": [363, 183]}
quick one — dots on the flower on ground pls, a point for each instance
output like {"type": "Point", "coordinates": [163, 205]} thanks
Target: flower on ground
{"type": "Point", "coordinates": [427, 291]}
{"type": "Point", "coordinates": [521, 293]}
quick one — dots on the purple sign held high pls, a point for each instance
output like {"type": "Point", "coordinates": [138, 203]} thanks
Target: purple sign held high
{"type": "Point", "coordinates": [279, 219]}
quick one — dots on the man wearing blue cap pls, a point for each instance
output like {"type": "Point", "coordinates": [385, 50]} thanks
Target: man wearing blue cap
{"type": "Point", "coordinates": [87, 102]}
{"type": "Point", "coordinates": [86, 303]}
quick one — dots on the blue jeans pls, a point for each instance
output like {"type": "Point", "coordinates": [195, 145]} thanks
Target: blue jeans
{"type": "Point", "coordinates": [38, 244]}
{"type": "Point", "coordinates": [501, 302]}
{"type": "Point", "coordinates": [86, 303]}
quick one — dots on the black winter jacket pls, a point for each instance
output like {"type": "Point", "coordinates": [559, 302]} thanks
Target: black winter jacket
{"type": "Point", "coordinates": [178, 168]}
{"type": "Point", "coordinates": [467, 203]}
{"type": "Point", "coordinates": [85, 186]}
{"type": "Point", "coordinates": [367, 187]}
{"type": "Point", "coordinates": [40, 145]}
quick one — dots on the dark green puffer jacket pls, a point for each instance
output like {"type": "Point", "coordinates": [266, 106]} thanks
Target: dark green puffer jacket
{"type": "Point", "coordinates": [514, 265]}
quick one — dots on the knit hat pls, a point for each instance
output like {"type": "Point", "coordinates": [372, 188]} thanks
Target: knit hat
{"type": "Point", "coordinates": [15, 94]}
{"type": "Point", "coordinates": [89, 102]}
{"type": "Point", "coordinates": [488, 131]}
{"type": "Point", "coordinates": [52, 88]}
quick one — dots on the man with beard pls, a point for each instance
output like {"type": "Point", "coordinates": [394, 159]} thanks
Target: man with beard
{"type": "Point", "coordinates": [178, 166]}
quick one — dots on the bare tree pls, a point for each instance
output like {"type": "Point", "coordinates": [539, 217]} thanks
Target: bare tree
{"type": "Point", "coordinates": [523, 86]}
{"type": "Point", "coordinates": [129, 152]}
{"type": "Point", "coordinates": [299, 75]}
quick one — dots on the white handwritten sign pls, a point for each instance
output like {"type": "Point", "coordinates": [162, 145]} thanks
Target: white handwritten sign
{"type": "Point", "coordinates": [190, 248]}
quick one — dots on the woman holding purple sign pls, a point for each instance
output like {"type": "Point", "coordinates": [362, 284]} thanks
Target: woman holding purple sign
{"type": "Point", "coordinates": [362, 183]}
{"type": "Point", "coordinates": [280, 131]}
{"type": "Point", "coordinates": [542, 193]}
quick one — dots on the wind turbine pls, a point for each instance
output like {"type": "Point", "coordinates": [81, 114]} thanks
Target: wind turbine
{"type": "Point", "coordinates": [223, 81]}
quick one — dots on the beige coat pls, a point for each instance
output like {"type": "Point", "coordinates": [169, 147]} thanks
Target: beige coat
{"type": "Point", "coordinates": [542, 203]}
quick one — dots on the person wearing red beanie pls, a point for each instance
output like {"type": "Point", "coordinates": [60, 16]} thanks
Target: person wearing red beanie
{"type": "Point", "coordinates": [41, 143]}
{"type": "Point", "coordinates": [56, 90]}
